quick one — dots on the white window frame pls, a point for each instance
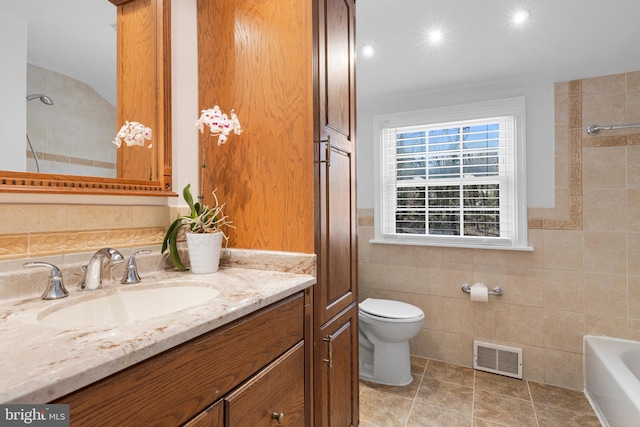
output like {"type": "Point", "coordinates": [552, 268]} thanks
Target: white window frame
{"type": "Point", "coordinates": [515, 107]}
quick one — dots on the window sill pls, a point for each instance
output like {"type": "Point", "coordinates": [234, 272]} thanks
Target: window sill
{"type": "Point", "coordinates": [452, 245]}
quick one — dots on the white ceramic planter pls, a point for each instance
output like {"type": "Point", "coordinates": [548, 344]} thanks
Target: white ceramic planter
{"type": "Point", "coordinates": [204, 252]}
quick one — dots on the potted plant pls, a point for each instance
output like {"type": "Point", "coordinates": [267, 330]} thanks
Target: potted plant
{"type": "Point", "coordinates": [204, 235]}
{"type": "Point", "coordinates": [204, 223]}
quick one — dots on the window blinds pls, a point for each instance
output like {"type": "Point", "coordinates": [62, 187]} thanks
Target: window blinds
{"type": "Point", "coordinates": [449, 179]}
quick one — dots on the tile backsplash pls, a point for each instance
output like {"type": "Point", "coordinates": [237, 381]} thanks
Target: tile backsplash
{"type": "Point", "coordinates": [583, 276]}
{"type": "Point", "coordinates": [32, 230]}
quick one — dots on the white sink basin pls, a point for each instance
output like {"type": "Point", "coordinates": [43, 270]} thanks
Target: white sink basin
{"type": "Point", "coordinates": [127, 305]}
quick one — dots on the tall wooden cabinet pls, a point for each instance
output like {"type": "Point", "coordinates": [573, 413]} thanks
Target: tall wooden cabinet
{"type": "Point", "coordinates": [287, 67]}
{"type": "Point", "coordinates": [335, 295]}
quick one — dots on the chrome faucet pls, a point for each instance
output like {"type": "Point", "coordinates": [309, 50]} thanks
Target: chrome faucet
{"type": "Point", "coordinates": [99, 264]}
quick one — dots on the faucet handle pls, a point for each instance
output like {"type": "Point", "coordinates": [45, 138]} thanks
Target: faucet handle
{"type": "Point", "coordinates": [131, 272]}
{"type": "Point", "coordinates": [55, 288]}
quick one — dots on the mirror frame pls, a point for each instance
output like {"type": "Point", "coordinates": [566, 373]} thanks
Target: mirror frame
{"type": "Point", "coordinates": [155, 36]}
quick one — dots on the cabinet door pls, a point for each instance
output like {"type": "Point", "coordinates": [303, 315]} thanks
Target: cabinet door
{"type": "Point", "coordinates": [335, 103]}
{"type": "Point", "coordinates": [336, 386]}
{"type": "Point", "coordinates": [275, 396]}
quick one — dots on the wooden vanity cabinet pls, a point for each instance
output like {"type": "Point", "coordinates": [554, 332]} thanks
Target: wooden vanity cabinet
{"type": "Point", "coordinates": [238, 375]}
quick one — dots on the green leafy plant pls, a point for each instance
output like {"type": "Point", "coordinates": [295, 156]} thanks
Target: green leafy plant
{"type": "Point", "coordinates": [202, 219]}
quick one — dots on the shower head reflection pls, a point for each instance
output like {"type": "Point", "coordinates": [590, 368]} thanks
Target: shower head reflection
{"type": "Point", "coordinates": [43, 98]}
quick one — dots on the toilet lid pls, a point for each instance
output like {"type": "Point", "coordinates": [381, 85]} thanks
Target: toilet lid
{"type": "Point", "coordinates": [390, 309]}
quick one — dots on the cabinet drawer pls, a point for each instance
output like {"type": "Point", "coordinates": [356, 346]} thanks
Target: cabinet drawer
{"type": "Point", "coordinates": [278, 390]}
{"type": "Point", "coordinates": [213, 416]}
{"type": "Point", "coordinates": [174, 386]}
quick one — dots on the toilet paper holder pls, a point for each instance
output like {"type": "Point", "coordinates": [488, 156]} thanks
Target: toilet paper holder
{"type": "Point", "coordinates": [497, 291]}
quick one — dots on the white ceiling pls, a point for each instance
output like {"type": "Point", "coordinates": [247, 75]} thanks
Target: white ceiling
{"type": "Point", "coordinates": [72, 37]}
{"type": "Point", "coordinates": [563, 39]}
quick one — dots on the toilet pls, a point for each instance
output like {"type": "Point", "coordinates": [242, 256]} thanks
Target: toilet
{"type": "Point", "coordinates": [385, 328]}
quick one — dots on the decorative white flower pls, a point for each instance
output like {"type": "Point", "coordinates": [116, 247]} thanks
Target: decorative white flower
{"type": "Point", "coordinates": [133, 133]}
{"type": "Point", "coordinates": [237, 129]}
{"type": "Point", "coordinates": [219, 123]}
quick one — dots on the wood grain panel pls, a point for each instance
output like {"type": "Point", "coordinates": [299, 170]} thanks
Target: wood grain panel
{"type": "Point", "coordinates": [337, 253]}
{"type": "Point", "coordinates": [136, 68]}
{"type": "Point", "coordinates": [340, 249]}
{"type": "Point", "coordinates": [212, 417]}
{"type": "Point", "coordinates": [144, 87]}
{"type": "Point", "coordinates": [338, 65]}
{"type": "Point", "coordinates": [255, 57]}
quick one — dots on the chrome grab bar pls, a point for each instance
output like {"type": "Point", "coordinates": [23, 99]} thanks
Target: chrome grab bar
{"type": "Point", "coordinates": [593, 129]}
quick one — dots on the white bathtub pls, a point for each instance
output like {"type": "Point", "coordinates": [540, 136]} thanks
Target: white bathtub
{"type": "Point", "coordinates": [612, 379]}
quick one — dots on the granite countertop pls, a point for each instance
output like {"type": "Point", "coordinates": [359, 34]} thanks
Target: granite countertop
{"type": "Point", "coordinates": [40, 362]}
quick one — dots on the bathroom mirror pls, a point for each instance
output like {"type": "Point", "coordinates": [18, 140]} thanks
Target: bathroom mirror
{"type": "Point", "coordinates": [75, 113]}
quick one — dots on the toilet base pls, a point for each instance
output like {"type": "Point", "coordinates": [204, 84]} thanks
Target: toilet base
{"type": "Point", "coordinates": [370, 378]}
{"type": "Point", "coordinates": [391, 364]}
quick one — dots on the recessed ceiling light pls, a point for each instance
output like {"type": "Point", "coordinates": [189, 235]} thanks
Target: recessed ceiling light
{"type": "Point", "coordinates": [368, 50]}
{"type": "Point", "coordinates": [435, 36]}
{"type": "Point", "coordinates": [520, 16]}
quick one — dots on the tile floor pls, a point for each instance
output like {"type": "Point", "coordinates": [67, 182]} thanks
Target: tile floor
{"type": "Point", "coordinates": [447, 395]}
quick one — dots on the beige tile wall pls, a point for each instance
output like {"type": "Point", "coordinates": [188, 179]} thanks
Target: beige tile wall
{"type": "Point", "coordinates": [583, 276]}
{"type": "Point", "coordinates": [73, 136]}
{"type": "Point", "coordinates": [29, 231]}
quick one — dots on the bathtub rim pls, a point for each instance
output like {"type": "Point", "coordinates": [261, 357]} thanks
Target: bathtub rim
{"type": "Point", "coordinates": [617, 369]}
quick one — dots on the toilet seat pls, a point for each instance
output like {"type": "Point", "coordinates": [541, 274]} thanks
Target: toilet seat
{"type": "Point", "coordinates": [391, 310]}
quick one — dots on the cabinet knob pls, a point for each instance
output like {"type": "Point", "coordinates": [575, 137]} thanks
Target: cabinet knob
{"type": "Point", "coordinates": [278, 416]}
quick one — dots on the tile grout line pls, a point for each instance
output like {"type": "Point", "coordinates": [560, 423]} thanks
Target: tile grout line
{"type": "Point", "coordinates": [413, 402]}
{"type": "Point", "coordinates": [535, 413]}
{"type": "Point", "coordinates": [473, 397]}
{"type": "Point", "coordinates": [415, 397]}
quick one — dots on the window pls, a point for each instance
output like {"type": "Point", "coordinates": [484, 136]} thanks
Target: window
{"type": "Point", "coordinates": [453, 176]}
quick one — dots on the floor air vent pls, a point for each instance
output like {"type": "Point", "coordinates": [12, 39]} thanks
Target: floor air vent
{"type": "Point", "coordinates": [497, 359]}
